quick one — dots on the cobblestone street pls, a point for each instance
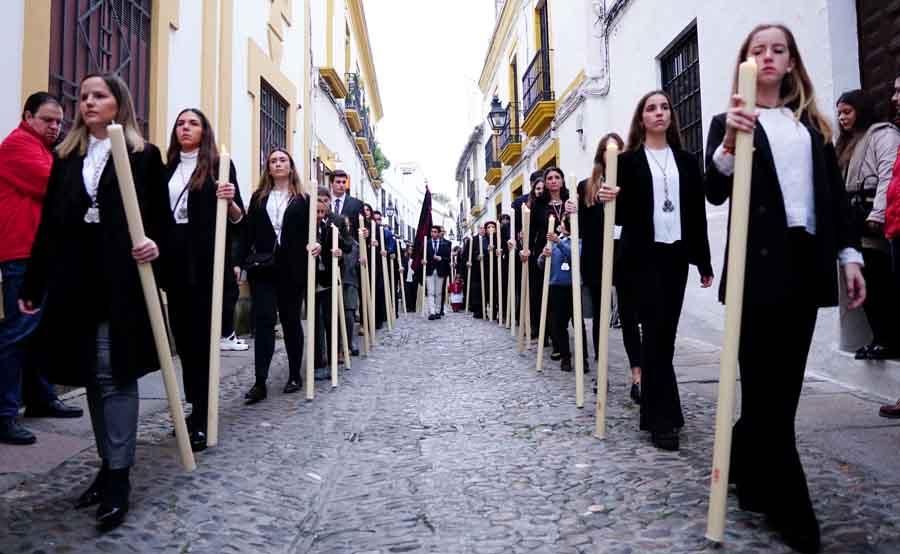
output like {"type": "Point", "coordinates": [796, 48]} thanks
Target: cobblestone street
{"type": "Point", "coordinates": [443, 440]}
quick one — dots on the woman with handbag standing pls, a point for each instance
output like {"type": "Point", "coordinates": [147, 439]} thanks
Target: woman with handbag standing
{"type": "Point", "coordinates": [276, 236]}
{"type": "Point", "coordinates": [191, 173]}
{"type": "Point", "coordinates": [662, 211]}
{"type": "Point", "coordinates": [95, 327]}
{"type": "Point", "coordinates": [797, 229]}
{"type": "Point", "coordinates": [866, 151]}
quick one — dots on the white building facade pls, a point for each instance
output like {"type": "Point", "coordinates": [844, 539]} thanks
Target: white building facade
{"type": "Point", "coordinates": [242, 62]}
{"type": "Point", "coordinates": [570, 71]}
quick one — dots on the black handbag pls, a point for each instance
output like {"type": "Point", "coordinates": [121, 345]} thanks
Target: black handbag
{"type": "Point", "coordinates": [862, 201]}
{"type": "Point", "coordinates": [259, 262]}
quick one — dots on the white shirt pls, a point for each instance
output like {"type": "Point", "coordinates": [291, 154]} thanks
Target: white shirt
{"type": "Point", "coordinates": [94, 161]}
{"type": "Point", "coordinates": [791, 148]}
{"type": "Point", "coordinates": [410, 274]}
{"type": "Point", "coordinates": [178, 186]}
{"type": "Point", "coordinates": [666, 224]}
{"type": "Point", "coordinates": [275, 207]}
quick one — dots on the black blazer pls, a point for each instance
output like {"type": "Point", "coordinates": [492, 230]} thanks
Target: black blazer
{"type": "Point", "coordinates": [635, 204]}
{"type": "Point", "coordinates": [260, 235]}
{"type": "Point", "coordinates": [767, 232]}
{"type": "Point", "coordinates": [443, 250]}
{"type": "Point", "coordinates": [323, 268]}
{"type": "Point", "coordinates": [202, 233]}
{"type": "Point", "coordinates": [74, 289]}
{"type": "Point", "coordinates": [350, 208]}
{"type": "Point", "coordinates": [590, 225]}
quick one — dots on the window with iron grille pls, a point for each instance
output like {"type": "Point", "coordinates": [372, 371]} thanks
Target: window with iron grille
{"type": "Point", "coordinates": [680, 66]}
{"type": "Point", "coordinates": [100, 36]}
{"type": "Point", "coordinates": [273, 117]}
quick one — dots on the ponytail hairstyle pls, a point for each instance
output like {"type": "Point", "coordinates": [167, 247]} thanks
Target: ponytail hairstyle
{"type": "Point", "coordinates": [637, 134]}
{"type": "Point", "coordinates": [797, 92]}
{"type": "Point", "coordinates": [598, 174]}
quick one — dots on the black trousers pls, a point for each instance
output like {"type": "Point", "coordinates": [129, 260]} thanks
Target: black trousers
{"type": "Point", "coordinates": [275, 296]}
{"type": "Point", "coordinates": [628, 316]}
{"type": "Point", "coordinates": [323, 328]}
{"type": "Point", "coordinates": [190, 312]}
{"type": "Point", "coordinates": [882, 294]}
{"type": "Point", "coordinates": [411, 290]}
{"type": "Point", "coordinates": [662, 283]}
{"type": "Point", "coordinates": [559, 306]}
{"type": "Point", "coordinates": [535, 289]}
{"type": "Point", "coordinates": [775, 341]}
{"type": "Point", "coordinates": [230, 295]}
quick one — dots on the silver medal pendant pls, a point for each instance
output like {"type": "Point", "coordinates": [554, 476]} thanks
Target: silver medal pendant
{"type": "Point", "coordinates": [92, 215]}
{"type": "Point", "coordinates": [182, 212]}
{"type": "Point", "coordinates": [668, 206]}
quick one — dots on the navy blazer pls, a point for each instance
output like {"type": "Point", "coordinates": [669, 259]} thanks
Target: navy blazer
{"type": "Point", "coordinates": [443, 250]}
{"type": "Point", "coordinates": [767, 233]}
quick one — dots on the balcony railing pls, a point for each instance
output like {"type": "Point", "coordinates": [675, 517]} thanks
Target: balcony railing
{"type": "Point", "coordinates": [536, 81]}
{"type": "Point", "coordinates": [491, 154]}
{"type": "Point", "coordinates": [354, 99]}
{"type": "Point", "coordinates": [509, 134]}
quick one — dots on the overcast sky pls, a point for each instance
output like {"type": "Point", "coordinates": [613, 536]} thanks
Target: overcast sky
{"type": "Point", "coordinates": [428, 57]}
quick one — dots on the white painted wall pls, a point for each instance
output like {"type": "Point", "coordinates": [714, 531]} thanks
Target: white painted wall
{"type": "Point", "coordinates": [11, 34]}
{"type": "Point", "coordinates": [184, 63]}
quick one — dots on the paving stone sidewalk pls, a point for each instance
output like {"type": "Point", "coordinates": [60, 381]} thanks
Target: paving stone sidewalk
{"type": "Point", "coordinates": [444, 440]}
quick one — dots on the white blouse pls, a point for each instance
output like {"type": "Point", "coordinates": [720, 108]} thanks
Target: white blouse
{"type": "Point", "coordinates": [791, 147]}
{"type": "Point", "coordinates": [98, 152]}
{"type": "Point", "coordinates": [179, 184]}
{"type": "Point", "coordinates": [666, 224]}
{"type": "Point", "coordinates": [275, 207]}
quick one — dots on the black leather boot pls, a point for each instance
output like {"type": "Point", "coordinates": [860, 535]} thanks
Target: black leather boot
{"type": "Point", "coordinates": [114, 504]}
{"type": "Point", "coordinates": [94, 493]}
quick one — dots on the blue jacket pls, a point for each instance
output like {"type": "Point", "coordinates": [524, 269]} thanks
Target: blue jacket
{"type": "Point", "coordinates": [560, 253]}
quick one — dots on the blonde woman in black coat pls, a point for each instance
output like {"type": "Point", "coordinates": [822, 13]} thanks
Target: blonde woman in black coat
{"type": "Point", "coordinates": [95, 331]}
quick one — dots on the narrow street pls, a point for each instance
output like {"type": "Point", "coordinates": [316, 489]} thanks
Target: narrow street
{"type": "Point", "coordinates": [444, 440]}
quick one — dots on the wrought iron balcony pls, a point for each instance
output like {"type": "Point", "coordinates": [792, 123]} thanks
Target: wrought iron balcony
{"type": "Point", "coordinates": [510, 136]}
{"type": "Point", "coordinates": [353, 103]}
{"type": "Point", "coordinates": [538, 98]}
{"type": "Point", "coordinates": [492, 160]}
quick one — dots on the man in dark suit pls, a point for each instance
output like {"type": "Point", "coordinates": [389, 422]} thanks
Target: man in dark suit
{"type": "Point", "coordinates": [341, 201]}
{"type": "Point", "coordinates": [437, 269]}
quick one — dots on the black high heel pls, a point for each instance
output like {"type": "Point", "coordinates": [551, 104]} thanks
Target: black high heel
{"type": "Point", "coordinates": [636, 393]}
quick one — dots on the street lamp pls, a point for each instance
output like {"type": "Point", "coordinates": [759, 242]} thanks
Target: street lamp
{"type": "Point", "coordinates": [497, 116]}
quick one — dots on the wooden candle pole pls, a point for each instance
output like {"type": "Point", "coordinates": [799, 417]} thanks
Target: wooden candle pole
{"type": "Point", "coordinates": [606, 273]}
{"type": "Point", "coordinates": [545, 292]}
{"type": "Point", "coordinates": [734, 303]}
{"type": "Point", "coordinates": [334, 307]}
{"type": "Point", "coordinates": [511, 282]}
{"type": "Point", "coordinates": [577, 321]}
{"type": "Point", "coordinates": [524, 315]}
{"type": "Point", "coordinates": [374, 269]}
{"type": "Point", "coordinates": [384, 284]}
{"type": "Point", "coordinates": [364, 290]}
{"type": "Point", "coordinates": [345, 340]}
{"type": "Point", "coordinates": [215, 323]}
{"type": "Point", "coordinates": [402, 286]}
{"type": "Point", "coordinates": [500, 312]}
{"type": "Point", "coordinates": [481, 276]}
{"type": "Point", "coordinates": [151, 294]}
{"type": "Point", "coordinates": [312, 198]}
{"type": "Point", "coordinates": [469, 274]}
{"type": "Point", "coordinates": [490, 304]}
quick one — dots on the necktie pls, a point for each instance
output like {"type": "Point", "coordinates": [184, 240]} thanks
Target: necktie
{"type": "Point", "coordinates": [337, 205]}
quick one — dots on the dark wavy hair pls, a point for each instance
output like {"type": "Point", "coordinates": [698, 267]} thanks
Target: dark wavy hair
{"type": "Point", "coordinates": [862, 104]}
{"type": "Point", "coordinates": [207, 153]}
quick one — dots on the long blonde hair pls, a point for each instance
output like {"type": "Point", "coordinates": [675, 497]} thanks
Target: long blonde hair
{"type": "Point", "coordinates": [597, 174]}
{"type": "Point", "coordinates": [267, 183]}
{"type": "Point", "coordinates": [797, 92]}
{"type": "Point", "coordinates": [77, 138]}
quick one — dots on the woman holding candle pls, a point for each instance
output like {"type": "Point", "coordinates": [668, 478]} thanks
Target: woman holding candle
{"type": "Point", "coordinates": [866, 150]}
{"type": "Point", "coordinates": [798, 228]}
{"type": "Point", "coordinates": [192, 164]}
{"type": "Point", "coordinates": [549, 199]}
{"type": "Point", "coordinates": [662, 211]}
{"type": "Point", "coordinates": [95, 324]}
{"type": "Point", "coordinates": [276, 235]}
{"type": "Point", "coordinates": [535, 276]}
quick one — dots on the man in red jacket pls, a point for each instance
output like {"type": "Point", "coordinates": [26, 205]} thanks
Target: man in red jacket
{"type": "Point", "coordinates": [892, 231]}
{"type": "Point", "coordinates": [25, 162]}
